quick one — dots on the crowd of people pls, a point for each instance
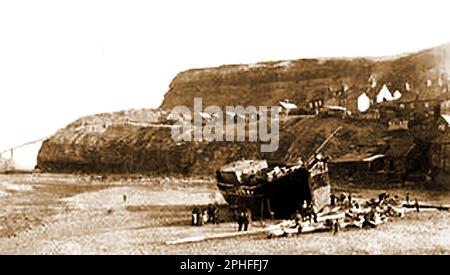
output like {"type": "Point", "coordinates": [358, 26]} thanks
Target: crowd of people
{"type": "Point", "coordinates": [210, 215]}
{"type": "Point", "coordinates": [373, 212]}
{"type": "Point", "coordinates": [358, 213]}
{"type": "Point", "coordinates": [204, 216]}
{"type": "Point", "coordinates": [342, 200]}
{"type": "Point", "coordinates": [303, 214]}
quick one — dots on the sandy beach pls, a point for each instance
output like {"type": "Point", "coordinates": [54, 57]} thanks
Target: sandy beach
{"type": "Point", "coordinates": [64, 214]}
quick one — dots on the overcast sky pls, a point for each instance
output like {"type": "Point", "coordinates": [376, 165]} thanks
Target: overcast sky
{"type": "Point", "coordinates": [60, 60]}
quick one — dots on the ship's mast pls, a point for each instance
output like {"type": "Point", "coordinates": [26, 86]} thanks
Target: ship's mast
{"type": "Point", "coordinates": [317, 151]}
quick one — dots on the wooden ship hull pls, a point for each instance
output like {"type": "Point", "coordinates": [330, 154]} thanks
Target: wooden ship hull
{"type": "Point", "coordinates": [280, 196]}
{"type": "Point", "coordinates": [277, 191]}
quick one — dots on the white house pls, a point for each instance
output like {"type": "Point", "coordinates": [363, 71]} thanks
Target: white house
{"type": "Point", "coordinates": [363, 103]}
{"type": "Point", "coordinates": [384, 95]}
{"type": "Point", "coordinates": [397, 95]}
{"type": "Point", "coordinates": [287, 107]}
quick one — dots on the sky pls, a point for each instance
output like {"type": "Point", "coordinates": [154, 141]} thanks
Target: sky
{"type": "Point", "coordinates": [60, 60]}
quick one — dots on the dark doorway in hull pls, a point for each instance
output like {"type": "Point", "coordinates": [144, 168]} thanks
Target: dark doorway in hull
{"type": "Point", "coordinates": [279, 199]}
{"type": "Point", "coordinates": [287, 195]}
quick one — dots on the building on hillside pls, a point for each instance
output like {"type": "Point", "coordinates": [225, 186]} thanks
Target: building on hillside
{"type": "Point", "coordinates": [399, 160]}
{"type": "Point", "coordinates": [400, 152]}
{"type": "Point", "coordinates": [396, 124]}
{"type": "Point", "coordinates": [418, 115]}
{"type": "Point", "coordinates": [445, 106]}
{"type": "Point", "coordinates": [402, 108]}
{"type": "Point", "coordinates": [351, 101]}
{"type": "Point", "coordinates": [384, 95]}
{"type": "Point", "coordinates": [440, 148]}
{"type": "Point", "coordinates": [315, 105]}
{"type": "Point", "coordinates": [357, 167]}
{"type": "Point", "coordinates": [440, 158]}
{"type": "Point", "coordinates": [361, 105]}
{"type": "Point", "coordinates": [443, 123]}
{"type": "Point", "coordinates": [334, 111]}
{"type": "Point", "coordinates": [286, 108]}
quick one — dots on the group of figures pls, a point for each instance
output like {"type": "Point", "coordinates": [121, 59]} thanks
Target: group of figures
{"type": "Point", "coordinates": [373, 212]}
{"type": "Point", "coordinates": [204, 216]}
{"type": "Point", "coordinates": [343, 212]}
{"type": "Point", "coordinates": [303, 214]}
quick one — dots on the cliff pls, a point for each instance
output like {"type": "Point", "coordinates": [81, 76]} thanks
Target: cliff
{"type": "Point", "coordinates": [304, 80]}
{"type": "Point", "coordinates": [139, 141]}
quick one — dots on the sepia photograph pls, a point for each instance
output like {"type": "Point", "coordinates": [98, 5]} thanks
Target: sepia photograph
{"type": "Point", "coordinates": [233, 128]}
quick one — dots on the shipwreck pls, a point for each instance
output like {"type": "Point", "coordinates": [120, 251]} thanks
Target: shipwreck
{"type": "Point", "coordinates": [277, 190]}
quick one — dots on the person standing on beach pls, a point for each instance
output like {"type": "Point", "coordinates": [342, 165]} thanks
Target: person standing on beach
{"type": "Point", "coordinates": [244, 219]}
{"type": "Point", "coordinates": [247, 218]}
{"type": "Point", "coordinates": [125, 201]}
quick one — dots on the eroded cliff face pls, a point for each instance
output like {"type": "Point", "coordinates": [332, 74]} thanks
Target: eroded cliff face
{"type": "Point", "coordinates": [303, 80]}
{"type": "Point", "coordinates": [139, 141]}
{"type": "Point", "coordinates": [136, 141]}
{"type": "Point", "coordinates": [151, 149]}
